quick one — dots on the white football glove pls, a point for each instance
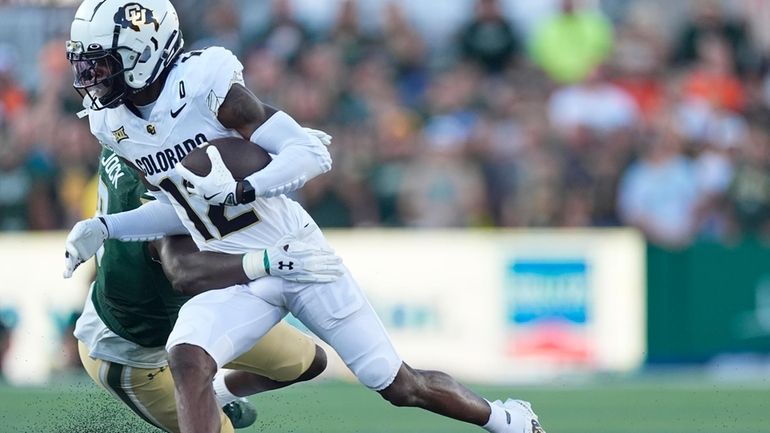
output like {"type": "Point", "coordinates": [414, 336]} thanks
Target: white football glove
{"type": "Point", "coordinates": [83, 241]}
{"type": "Point", "coordinates": [295, 260]}
{"type": "Point", "coordinates": [217, 187]}
{"type": "Point", "coordinates": [325, 138]}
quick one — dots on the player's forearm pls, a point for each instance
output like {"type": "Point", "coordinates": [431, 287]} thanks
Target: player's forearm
{"type": "Point", "coordinates": [147, 222]}
{"type": "Point", "coordinates": [299, 156]}
{"type": "Point", "coordinates": [288, 172]}
{"type": "Point", "coordinates": [192, 272]}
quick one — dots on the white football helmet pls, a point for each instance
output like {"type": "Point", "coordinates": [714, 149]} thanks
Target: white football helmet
{"type": "Point", "coordinates": [119, 47]}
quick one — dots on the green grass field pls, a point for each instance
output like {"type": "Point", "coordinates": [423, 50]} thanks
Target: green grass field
{"type": "Point", "coordinates": [643, 405]}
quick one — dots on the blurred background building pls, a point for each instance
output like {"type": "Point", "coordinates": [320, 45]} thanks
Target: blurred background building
{"type": "Point", "coordinates": [477, 114]}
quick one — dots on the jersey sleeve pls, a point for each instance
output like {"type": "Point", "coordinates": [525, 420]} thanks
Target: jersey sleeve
{"type": "Point", "coordinates": [218, 69]}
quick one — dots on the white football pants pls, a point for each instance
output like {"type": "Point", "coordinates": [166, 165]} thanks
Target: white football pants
{"type": "Point", "coordinates": [228, 322]}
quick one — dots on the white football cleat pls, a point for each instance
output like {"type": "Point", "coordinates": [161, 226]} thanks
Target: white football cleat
{"type": "Point", "coordinates": [521, 418]}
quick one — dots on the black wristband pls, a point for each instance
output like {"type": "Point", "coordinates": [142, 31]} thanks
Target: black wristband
{"type": "Point", "coordinates": [248, 194]}
{"type": "Point", "coordinates": [105, 225]}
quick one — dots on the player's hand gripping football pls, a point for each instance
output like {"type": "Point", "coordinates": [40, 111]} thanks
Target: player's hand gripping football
{"type": "Point", "coordinates": [83, 241]}
{"type": "Point", "coordinates": [219, 187]}
{"type": "Point", "coordinates": [294, 259]}
{"type": "Point", "coordinates": [325, 138]}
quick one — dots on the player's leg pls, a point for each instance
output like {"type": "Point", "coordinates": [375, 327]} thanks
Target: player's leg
{"type": "Point", "coordinates": [437, 392]}
{"type": "Point", "coordinates": [340, 314]}
{"type": "Point", "coordinates": [282, 357]}
{"type": "Point", "coordinates": [193, 370]}
{"type": "Point", "coordinates": [242, 383]}
{"type": "Point", "coordinates": [149, 393]}
{"type": "Point", "coordinates": [212, 329]}
{"type": "Point", "coordinates": [440, 393]}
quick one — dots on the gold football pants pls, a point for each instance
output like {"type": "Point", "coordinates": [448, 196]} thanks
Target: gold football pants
{"type": "Point", "coordinates": [283, 354]}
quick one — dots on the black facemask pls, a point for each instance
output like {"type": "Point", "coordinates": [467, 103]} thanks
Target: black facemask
{"type": "Point", "coordinates": [99, 76]}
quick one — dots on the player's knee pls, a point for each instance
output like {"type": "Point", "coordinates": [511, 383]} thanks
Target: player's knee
{"type": "Point", "coordinates": [374, 373]}
{"type": "Point", "coordinates": [317, 366]}
{"type": "Point", "coordinates": [191, 363]}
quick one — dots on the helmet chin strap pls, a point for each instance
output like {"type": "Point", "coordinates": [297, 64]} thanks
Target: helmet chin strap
{"type": "Point", "coordinates": [169, 52]}
{"type": "Point", "coordinates": [152, 90]}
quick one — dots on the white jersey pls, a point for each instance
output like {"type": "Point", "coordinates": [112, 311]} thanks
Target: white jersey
{"type": "Point", "coordinates": [184, 117]}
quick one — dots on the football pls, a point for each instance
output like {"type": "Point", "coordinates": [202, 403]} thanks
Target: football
{"type": "Point", "coordinates": [241, 157]}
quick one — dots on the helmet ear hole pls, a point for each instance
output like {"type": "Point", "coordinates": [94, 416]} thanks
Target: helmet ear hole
{"type": "Point", "coordinates": [146, 54]}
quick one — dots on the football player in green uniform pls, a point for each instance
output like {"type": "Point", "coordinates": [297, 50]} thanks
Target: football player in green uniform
{"type": "Point", "coordinates": [132, 307]}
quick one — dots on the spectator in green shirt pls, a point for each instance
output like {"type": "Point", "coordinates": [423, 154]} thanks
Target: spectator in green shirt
{"type": "Point", "coordinates": [571, 44]}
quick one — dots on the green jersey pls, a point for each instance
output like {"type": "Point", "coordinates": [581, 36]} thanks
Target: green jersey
{"type": "Point", "coordinates": [131, 294]}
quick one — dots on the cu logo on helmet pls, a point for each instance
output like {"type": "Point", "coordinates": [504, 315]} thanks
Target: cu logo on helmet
{"type": "Point", "coordinates": [134, 16]}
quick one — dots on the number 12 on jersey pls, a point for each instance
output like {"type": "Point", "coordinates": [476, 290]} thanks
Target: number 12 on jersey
{"type": "Point", "coordinates": [215, 215]}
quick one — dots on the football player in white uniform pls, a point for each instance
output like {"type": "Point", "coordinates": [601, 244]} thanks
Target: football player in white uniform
{"type": "Point", "coordinates": [152, 104]}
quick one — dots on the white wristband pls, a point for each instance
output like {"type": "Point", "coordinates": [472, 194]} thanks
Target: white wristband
{"type": "Point", "coordinates": [256, 264]}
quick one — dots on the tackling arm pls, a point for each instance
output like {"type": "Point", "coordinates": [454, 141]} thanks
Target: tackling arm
{"type": "Point", "coordinates": [147, 222]}
{"type": "Point", "coordinates": [151, 221]}
{"type": "Point", "coordinates": [192, 272]}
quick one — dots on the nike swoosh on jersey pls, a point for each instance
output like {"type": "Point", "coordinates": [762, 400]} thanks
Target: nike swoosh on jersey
{"type": "Point", "coordinates": [209, 197]}
{"type": "Point", "coordinates": [176, 113]}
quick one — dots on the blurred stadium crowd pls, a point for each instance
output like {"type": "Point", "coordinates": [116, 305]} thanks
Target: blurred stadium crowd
{"type": "Point", "coordinates": [588, 117]}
